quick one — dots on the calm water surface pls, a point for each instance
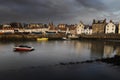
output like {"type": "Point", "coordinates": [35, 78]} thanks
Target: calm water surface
{"type": "Point", "coordinates": [53, 52]}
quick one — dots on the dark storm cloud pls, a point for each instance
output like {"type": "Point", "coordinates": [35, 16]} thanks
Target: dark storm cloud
{"type": "Point", "coordinates": [34, 10]}
{"type": "Point", "coordinates": [96, 4]}
{"type": "Point", "coordinates": [65, 11]}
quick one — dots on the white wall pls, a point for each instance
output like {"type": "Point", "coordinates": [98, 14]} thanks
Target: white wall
{"type": "Point", "coordinates": [119, 29]}
{"type": "Point", "coordinates": [88, 31]}
{"type": "Point", "coordinates": [80, 28]}
{"type": "Point", "coordinates": [110, 28]}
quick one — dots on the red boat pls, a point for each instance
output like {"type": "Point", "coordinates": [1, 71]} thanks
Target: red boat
{"type": "Point", "coordinates": [23, 48]}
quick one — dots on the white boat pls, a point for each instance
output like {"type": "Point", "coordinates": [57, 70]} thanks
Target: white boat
{"type": "Point", "coordinates": [64, 38]}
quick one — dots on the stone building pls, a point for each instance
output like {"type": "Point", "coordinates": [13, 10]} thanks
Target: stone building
{"type": "Point", "coordinates": [98, 26]}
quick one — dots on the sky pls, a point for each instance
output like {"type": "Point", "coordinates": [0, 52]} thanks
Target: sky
{"type": "Point", "coordinates": [59, 11]}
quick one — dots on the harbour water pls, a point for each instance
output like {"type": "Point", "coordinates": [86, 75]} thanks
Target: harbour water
{"type": "Point", "coordinates": [48, 53]}
{"type": "Point", "coordinates": [44, 62]}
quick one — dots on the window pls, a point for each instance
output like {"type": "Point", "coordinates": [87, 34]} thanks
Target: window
{"type": "Point", "coordinates": [112, 25]}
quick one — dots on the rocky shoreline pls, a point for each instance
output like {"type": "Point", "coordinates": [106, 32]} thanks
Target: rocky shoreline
{"type": "Point", "coordinates": [113, 60]}
{"type": "Point", "coordinates": [90, 70]}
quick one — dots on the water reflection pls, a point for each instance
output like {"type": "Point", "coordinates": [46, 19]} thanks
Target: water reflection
{"type": "Point", "coordinates": [54, 52]}
{"type": "Point", "coordinates": [118, 51]}
{"type": "Point", "coordinates": [22, 52]}
{"type": "Point", "coordinates": [108, 51]}
{"type": "Point", "coordinates": [99, 49]}
{"type": "Point", "coordinates": [82, 49]}
{"type": "Point", "coordinates": [111, 48]}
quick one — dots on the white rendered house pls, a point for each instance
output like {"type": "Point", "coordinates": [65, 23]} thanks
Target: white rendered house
{"type": "Point", "coordinates": [110, 28]}
{"type": "Point", "coordinates": [80, 28]}
{"type": "Point", "coordinates": [88, 30]}
{"type": "Point", "coordinates": [119, 28]}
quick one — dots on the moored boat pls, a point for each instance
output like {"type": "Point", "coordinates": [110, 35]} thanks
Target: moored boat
{"type": "Point", "coordinates": [42, 39]}
{"type": "Point", "coordinates": [73, 37]}
{"type": "Point", "coordinates": [23, 48]}
{"type": "Point", "coordinates": [64, 38]}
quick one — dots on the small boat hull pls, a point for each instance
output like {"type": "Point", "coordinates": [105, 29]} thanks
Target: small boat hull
{"type": "Point", "coordinates": [42, 39]}
{"type": "Point", "coordinates": [23, 48]}
{"type": "Point", "coordinates": [64, 38]}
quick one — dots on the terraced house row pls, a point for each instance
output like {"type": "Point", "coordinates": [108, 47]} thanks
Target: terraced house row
{"type": "Point", "coordinates": [37, 28]}
{"type": "Point", "coordinates": [97, 27]}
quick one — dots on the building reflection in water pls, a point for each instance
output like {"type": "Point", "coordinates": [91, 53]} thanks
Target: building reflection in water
{"type": "Point", "coordinates": [82, 49]}
{"type": "Point", "coordinates": [97, 49]}
{"type": "Point", "coordinates": [108, 51]}
{"type": "Point", "coordinates": [118, 50]}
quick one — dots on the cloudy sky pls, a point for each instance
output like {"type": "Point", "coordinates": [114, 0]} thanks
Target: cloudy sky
{"type": "Point", "coordinates": [58, 11]}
